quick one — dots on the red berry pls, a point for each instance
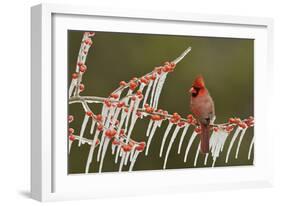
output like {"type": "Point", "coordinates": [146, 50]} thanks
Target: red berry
{"type": "Point", "coordinates": [133, 98]}
{"type": "Point", "coordinates": [82, 68]}
{"type": "Point", "coordinates": [115, 142]}
{"type": "Point", "coordinates": [153, 77]}
{"type": "Point", "coordinates": [216, 129]}
{"type": "Point", "coordinates": [122, 132]}
{"type": "Point", "coordinates": [89, 113]}
{"type": "Point", "coordinates": [107, 103]}
{"type": "Point", "coordinates": [88, 41]}
{"type": "Point", "coordinates": [110, 133]}
{"type": "Point", "coordinates": [138, 113]}
{"type": "Point", "coordinates": [74, 76]}
{"type": "Point", "coordinates": [71, 130]}
{"type": "Point", "coordinates": [91, 33]}
{"type": "Point", "coordinates": [146, 105]}
{"type": "Point", "coordinates": [155, 117]}
{"type": "Point", "coordinates": [71, 137]}
{"type": "Point", "coordinates": [81, 87]}
{"type": "Point", "coordinates": [133, 85]}
{"type": "Point", "coordinates": [126, 148]}
{"type": "Point", "coordinates": [120, 104]}
{"type": "Point", "coordinates": [231, 120]}
{"type": "Point", "coordinates": [122, 83]}
{"type": "Point", "coordinates": [126, 109]}
{"type": "Point", "coordinates": [70, 118]}
{"type": "Point", "coordinates": [99, 117]}
{"type": "Point", "coordinates": [114, 96]}
{"type": "Point", "coordinates": [100, 127]}
{"type": "Point", "coordinates": [242, 125]}
{"type": "Point", "coordinates": [198, 130]}
{"type": "Point", "coordinates": [181, 124]}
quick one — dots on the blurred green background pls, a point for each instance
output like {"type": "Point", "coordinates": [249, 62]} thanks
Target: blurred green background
{"type": "Point", "coordinates": [227, 65]}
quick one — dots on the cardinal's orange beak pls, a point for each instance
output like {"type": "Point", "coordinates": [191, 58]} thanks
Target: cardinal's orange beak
{"type": "Point", "coordinates": [192, 90]}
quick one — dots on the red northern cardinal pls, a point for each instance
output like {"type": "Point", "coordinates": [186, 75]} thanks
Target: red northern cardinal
{"type": "Point", "coordinates": [202, 106]}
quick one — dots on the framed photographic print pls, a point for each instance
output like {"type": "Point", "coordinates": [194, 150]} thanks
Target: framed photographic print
{"type": "Point", "coordinates": [137, 102]}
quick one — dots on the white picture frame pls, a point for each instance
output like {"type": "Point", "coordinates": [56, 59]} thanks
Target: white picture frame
{"type": "Point", "coordinates": [49, 179]}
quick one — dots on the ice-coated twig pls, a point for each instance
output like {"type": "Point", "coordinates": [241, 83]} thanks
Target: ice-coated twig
{"type": "Point", "coordinates": [239, 143]}
{"type": "Point", "coordinates": [83, 127]}
{"type": "Point", "coordinates": [192, 138]}
{"type": "Point", "coordinates": [182, 137]}
{"type": "Point", "coordinates": [169, 127]}
{"type": "Point", "coordinates": [196, 156]}
{"type": "Point", "coordinates": [170, 145]}
{"type": "Point", "coordinates": [177, 60]}
{"type": "Point", "coordinates": [232, 142]}
{"type": "Point", "coordinates": [250, 148]}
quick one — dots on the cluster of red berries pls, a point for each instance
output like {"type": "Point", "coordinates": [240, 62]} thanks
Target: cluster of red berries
{"type": "Point", "coordinates": [238, 122]}
{"type": "Point", "coordinates": [110, 133]}
{"type": "Point", "coordinates": [70, 134]}
{"type": "Point", "coordinates": [168, 67]}
{"type": "Point", "coordinates": [175, 118]}
{"type": "Point", "coordinates": [148, 109]}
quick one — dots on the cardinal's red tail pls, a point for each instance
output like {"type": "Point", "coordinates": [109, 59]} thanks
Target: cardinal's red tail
{"type": "Point", "coordinates": [204, 138]}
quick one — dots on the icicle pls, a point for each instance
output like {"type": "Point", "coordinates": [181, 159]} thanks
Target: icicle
{"type": "Point", "coordinates": [104, 113]}
{"type": "Point", "coordinates": [159, 89]}
{"type": "Point", "coordinates": [182, 137]}
{"type": "Point", "coordinates": [217, 141]}
{"type": "Point", "coordinates": [147, 93]}
{"type": "Point", "coordinates": [92, 126]}
{"type": "Point", "coordinates": [206, 159]}
{"type": "Point", "coordinates": [134, 114]}
{"type": "Point", "coordinates": [101, 146]}
{"type": "Point", "coordinates": [92, 150]}
{"type": "Point", "coordinates": [151, 136]}
{"type": "Point", "coordinates": [232, 142]}
{"type": "Point", "coordinates": [132, 103]}
{"type": "Point", "coordinates": [71, 87]}
{"type": "Point", "coordinates": [83, 127]}
{"type": "Point", "coordinates": [165, 137]}
{"type": "Point", "coordinates": [132, 152]}
{"type": "Point", "coordinates": [134, 160]}
{"type": "Point", "coordinates": [113, 146]}
{"type": "Point", "coordinates": [123, 116]}
{"type": "Point", "coordinates": [214, 161]}
{"type": "Point", "coordinates": [155, 82]}
{"type": "Point", "coordinates": [115, 116]}
{"type": "Point", "coordinates": [127, 158]}
{"type": "Point", "coordinates": [117, 153]}
{"type": "Point", "coordinates": [250, 148]}
{"type": "Point", "coordinates": [194, 134]}
{"type": "Point", "coordinates": [69, 145]}
{"type": "Point", "coordinates": [122, 161]}
{"type": "Point", "coordinates": [239, 143]}
{"type": "Point", "coordinates": [170, 145]}
{"type": "Point", "coordinates": [104, 148]}
{"type": "Point", "coordinates": [107, 122]}
{"type": "Point", "coordinates": [197, 154]}
{"type": "Point", "coordinates": [149, 127]}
